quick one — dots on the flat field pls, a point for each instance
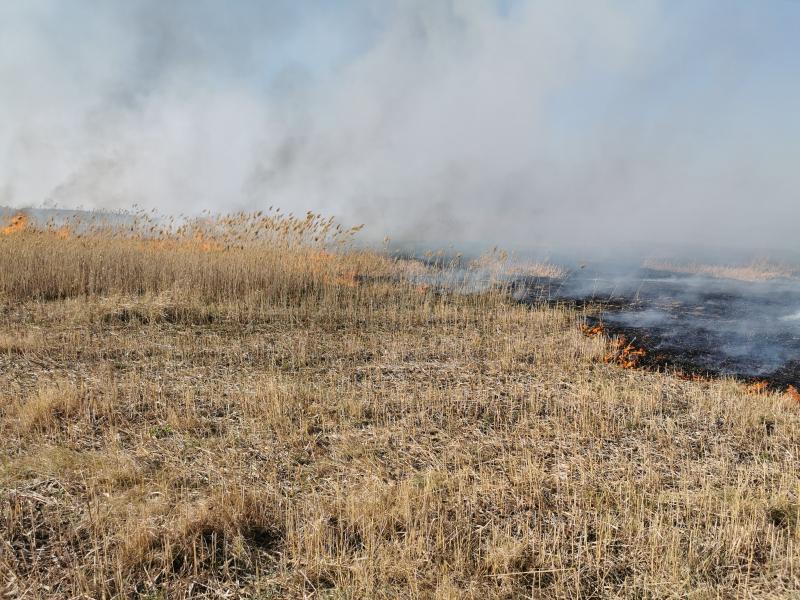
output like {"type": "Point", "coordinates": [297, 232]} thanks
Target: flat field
{"type": "Point", "coordinates": [254, 408]}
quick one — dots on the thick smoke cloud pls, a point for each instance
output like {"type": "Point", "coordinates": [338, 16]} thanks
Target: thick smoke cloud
{"type": "Point", "coordinates": [519, 123]}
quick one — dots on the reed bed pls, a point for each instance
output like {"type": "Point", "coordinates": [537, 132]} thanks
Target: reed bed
{"type": "Point", "coordinates": [264, 258]}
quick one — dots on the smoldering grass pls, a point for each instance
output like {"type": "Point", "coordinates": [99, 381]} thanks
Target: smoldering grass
{"type": "Point", "coordinates": [185, 416]}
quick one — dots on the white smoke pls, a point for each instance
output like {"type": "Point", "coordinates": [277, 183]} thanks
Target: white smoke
{"type": "Point", "coordinates": [517, 123]}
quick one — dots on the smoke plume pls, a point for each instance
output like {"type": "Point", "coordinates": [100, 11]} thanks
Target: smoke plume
{"type": "Point", "coordinates": [554, 123]}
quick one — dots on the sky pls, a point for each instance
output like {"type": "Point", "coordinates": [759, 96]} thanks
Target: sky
{"type": "Point", "coordinates": [510, 122]}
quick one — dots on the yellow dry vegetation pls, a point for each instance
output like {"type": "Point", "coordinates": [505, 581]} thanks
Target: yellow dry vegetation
{"type": "Point", "coordinates": [759, 270]}
{"type": "Point", "coordinates": [281, 415]}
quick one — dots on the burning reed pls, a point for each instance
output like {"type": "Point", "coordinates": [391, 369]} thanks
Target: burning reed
{"type": "Point", "coordinates": [241, 408]}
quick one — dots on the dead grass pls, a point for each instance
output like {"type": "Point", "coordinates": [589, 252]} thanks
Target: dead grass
{"type": "Point", "coordinates": [498, 264]}
{"type": "Point", "coordinates": [246, 423]}
{"type": "Point", "coordinates": [762, 270]}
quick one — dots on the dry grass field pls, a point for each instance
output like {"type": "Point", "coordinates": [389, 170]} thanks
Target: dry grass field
{"type": "Point", "coordinates": [760, 270]}
{"type": "Point", "coordinates": [250, 407]}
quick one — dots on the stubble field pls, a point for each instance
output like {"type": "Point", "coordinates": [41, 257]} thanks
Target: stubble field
{"type": "Point", "coordinates": [252, 407]}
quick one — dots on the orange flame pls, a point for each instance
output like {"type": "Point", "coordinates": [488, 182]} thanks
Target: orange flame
{"type": "Point", "coordinates": [595, 330]}
{"type": "Point", "coordinates": [625, 354]}
{"type": "Point", "coordinates": [793, 393]}
{"type": "Point", "coordinates": [18, 222]}
{"type": "Point", "coordinates": [757, 387]}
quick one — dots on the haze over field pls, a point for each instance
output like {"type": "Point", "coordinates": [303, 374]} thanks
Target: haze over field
{"type": "Point", "coordinates": [506, 122]}
{"type": "Point", "coordinates": [573, 373]}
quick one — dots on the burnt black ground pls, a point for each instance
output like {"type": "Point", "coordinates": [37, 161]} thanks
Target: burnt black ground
{"type": "Point", "coordinates": [696, 325]}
